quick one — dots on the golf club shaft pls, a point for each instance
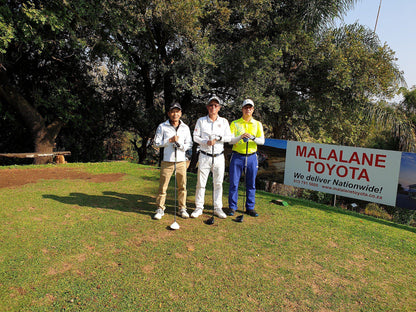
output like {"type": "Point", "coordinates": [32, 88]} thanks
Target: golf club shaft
{"type": "Point", "coordinates": [245, 177]}
{"type": "Point", "coordinates": [213, 181]}
{"type": "Point", "coordinates": [174, 166]}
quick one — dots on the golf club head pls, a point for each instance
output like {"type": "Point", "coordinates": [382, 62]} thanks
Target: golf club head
{"type": "Point", "coordinates": [239, 218]}
{"type": "Point", "coordinates": [210, 221]}
{"type": "Point", "coordinates": [174, 226]}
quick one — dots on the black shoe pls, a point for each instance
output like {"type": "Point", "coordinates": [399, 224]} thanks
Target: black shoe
{"type": "Point", "coordinates": [230, 212]}
{"type": "Point", "coordinates": [252, 213]}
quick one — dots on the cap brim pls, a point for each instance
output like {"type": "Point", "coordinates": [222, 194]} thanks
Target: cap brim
{"type": "Point", "coordinates": [173, 107]}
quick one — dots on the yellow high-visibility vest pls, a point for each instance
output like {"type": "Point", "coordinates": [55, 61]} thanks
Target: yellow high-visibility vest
{"type": "Point", "coordinates": [240, 126]}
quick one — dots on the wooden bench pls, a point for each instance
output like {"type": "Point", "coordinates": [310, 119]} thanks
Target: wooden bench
{"type": "Point", "coordinates": [33, 155]}
{"type": "Point", "coordinates": [58, 157]}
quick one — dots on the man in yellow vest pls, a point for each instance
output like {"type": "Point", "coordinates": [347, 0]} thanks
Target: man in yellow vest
{"type": "Point", "coordinates": [248, 133]}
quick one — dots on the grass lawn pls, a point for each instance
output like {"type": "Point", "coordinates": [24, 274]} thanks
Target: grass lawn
{"type": "Point", "coordinates": [82, 245]}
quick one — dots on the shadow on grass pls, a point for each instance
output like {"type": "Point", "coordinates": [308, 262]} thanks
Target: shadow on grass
{"type": "Point", "coordinates": [330, 209]}
{"type": "Point", "coordinates": [145, 205]}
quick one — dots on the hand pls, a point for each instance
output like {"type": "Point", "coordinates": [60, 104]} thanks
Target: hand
{"type": "Point", "coordinates": [247, 136]}
{"type": "Point", "coordinates": [213, 138]}
{"type": "Point", "coordinates": [174, 139]}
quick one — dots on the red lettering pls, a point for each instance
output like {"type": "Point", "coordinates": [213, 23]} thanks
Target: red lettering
{"type": "Point", "coordinates": [363, 175]}
{"type": "Point", "coordinates": [368, 160]}
{"type": "Point", "coordinates": [340, 171]}
{"type": "Point", "coordinates": [354, 157]}
{"type": "Point", "coordinates": [333, 155]}
{"type": "Point", "coordinates": [380, 160]}
{"type": "Point", "coordinates": [331, 168]}
{"type": "Point", "coordinates": [320, 170]}
{"type": "Point", "coordinates": [320, 154]}
{"type": "Point", "coordinates": [345, 171]}
{"type": "Point", "coordinates": [309, 165]}
{"type": "Point", "coordinates": [301, 152]}
{"type": "Point", "coordinates": [312, 152]}
{"type": "Point", "coordinates": [340, 157]}
{"type": "Point", "coordinates": [354, 169]}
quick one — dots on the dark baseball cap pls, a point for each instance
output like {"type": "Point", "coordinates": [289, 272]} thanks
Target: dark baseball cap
{"type": "Point", "coordinates": [175, 105]}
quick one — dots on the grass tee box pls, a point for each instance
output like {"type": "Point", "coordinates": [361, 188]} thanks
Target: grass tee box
{"type": "Point", "coordinates": [84, 240]}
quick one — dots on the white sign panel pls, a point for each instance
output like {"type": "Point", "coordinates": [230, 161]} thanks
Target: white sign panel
{"type": "Point", "coordinates": [362, 173]}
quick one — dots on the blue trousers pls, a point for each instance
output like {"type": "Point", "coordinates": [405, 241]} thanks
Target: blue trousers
{"type": "Point", "coordinates": [237, 167]}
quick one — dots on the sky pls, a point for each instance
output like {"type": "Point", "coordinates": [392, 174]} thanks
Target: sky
{"type": "Point", "coordinates": [407, 169]}
{"type": "Point", "coordinates": [396, 27]}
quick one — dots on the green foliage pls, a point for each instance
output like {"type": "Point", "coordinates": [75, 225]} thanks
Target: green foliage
{"type": "Point", "coordinates": [404, 216]}
{"type": "Point", "coordinates": [318, 197]}
{"type": "Point", "coordinates": [6, 34]}
{"type": "Point", "coordinates": [116, 65]}
{"type": "Point", "coordinates": [409, 102]}
{"type": "Point", "coordinates": [46, 64]}
{"type": "Point", "coordinates": [372, 209]}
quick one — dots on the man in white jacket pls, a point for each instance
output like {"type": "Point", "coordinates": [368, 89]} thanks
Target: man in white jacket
{"type": "Point", "coordinates": [210, 133]}
{"type": "Point", "coordinates": [175, 137]}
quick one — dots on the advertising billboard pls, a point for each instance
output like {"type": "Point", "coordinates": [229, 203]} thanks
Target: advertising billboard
{"type": "Point", "coordinates": [373, 175]}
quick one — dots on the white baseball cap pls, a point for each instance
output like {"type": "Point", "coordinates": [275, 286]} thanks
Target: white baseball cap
{"type": "Point", "coordinates": [247, 102]}
{"type": "Point", "coordinates": [214, 98]}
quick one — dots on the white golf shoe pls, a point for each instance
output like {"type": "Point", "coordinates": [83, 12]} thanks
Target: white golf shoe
{"type": "Point", "coordinates": [159, 214]}
{"type": "Point", "coordinates": [219, 213]}
{"type": "Point", "coordinates": [183, 214]}
{"type": "Point", "coordinates": [196, 213]}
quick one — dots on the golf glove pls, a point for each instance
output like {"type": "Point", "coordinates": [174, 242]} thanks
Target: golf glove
{"type": "Point", "coordinates": [250, 138]}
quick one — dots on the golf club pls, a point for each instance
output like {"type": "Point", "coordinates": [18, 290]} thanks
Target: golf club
{"type": "Point", "coordinates": [175, 225]}
{"type": "Point", "coordinates": [240, 218]}
{"type": "Point", "coordinates": [210, 221]}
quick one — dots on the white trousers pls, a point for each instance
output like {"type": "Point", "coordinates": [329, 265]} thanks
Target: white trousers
{"type": "Point", "coordinates": [204, 168]}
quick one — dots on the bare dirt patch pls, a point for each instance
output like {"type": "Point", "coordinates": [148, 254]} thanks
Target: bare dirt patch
{"type": "Point", "coordinates": [10, 178]}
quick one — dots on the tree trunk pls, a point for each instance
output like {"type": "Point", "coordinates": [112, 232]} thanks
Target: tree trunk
{"type": "Point", "coordinates": [45, 140]}
{"type": "Point", "coordinates": [141, 150]}
{"type": "Point", "coordinates": [43, 136]}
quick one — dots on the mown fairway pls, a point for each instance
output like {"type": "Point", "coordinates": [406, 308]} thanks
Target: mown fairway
{"type": "Point", "coordinates": [82, 244]}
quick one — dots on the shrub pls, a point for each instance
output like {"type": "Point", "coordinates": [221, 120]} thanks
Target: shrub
{"type": "Point", "coordinates": [372, 209]}
{"type": "Point", "coordinates": [404, 216]}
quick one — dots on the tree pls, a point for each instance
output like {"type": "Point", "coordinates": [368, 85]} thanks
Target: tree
{"type": "Point", "coordinates": [156, 54]}
{"type": "Point", "coordinates": [310, 82]}
{"type": "Point", "coordinates": [44, 71]}
{"type": "Point", "coordinates": [351, 71]}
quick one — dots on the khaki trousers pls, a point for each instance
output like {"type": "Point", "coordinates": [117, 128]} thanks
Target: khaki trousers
{"type": "Point", "coordinates": [166, 171]}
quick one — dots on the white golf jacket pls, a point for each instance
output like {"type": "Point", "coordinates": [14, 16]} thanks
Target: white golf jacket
{"type": "Point", "coordinates": [164, 132]}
